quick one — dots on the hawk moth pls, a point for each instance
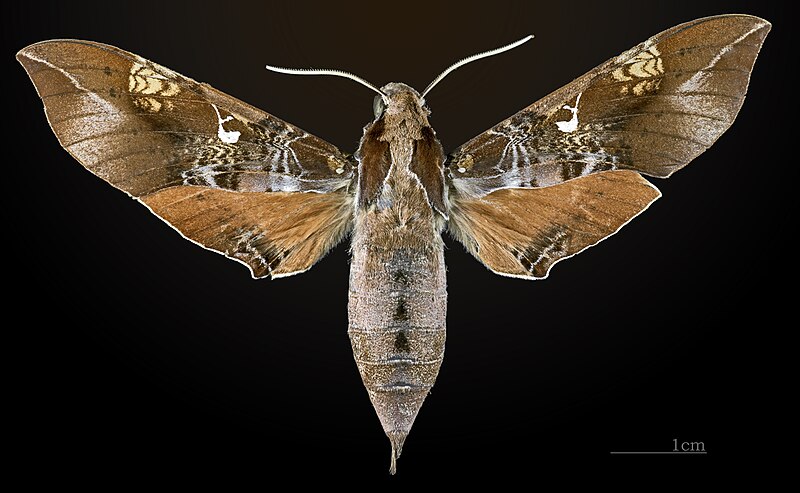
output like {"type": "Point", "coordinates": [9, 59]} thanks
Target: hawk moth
{"type": "Point", "coordinates": [555, 178]}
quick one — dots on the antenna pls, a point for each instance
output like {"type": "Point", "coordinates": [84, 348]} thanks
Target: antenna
{"type": "Point", "coordinates": [325, 71]}
{"type": "Point", "coordinates": [472, 58]}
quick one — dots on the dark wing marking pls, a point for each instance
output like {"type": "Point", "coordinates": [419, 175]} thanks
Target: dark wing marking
{"type": "Point", "coordinates": [652, 109]}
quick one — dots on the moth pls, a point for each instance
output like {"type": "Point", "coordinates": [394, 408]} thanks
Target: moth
{"type": "Point", "coordinates": [550, 181]}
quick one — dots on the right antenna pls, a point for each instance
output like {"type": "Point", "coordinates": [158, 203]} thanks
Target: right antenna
{"type": "Point", "coordinates": [473, 58]}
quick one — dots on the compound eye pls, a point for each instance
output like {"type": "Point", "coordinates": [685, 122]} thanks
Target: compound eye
{"type": "Point", "coordinates": [378, 106]}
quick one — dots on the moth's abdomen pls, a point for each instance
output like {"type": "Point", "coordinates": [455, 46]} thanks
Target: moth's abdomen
{"type": "Point", "coordinates": [397, 312]}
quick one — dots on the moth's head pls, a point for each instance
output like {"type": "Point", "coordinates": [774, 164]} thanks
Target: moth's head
{"type": "Point", "coordinates": [398, 98]}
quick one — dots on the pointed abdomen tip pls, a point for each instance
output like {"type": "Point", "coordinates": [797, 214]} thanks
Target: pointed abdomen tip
{"type": "Point", "coordinates": [396, 439]}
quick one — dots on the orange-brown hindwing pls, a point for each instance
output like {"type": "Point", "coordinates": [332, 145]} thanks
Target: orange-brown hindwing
{"type": "Point", "coordinates": [523, 232]}
{"type": "Point", "coordinates": [275, 234]}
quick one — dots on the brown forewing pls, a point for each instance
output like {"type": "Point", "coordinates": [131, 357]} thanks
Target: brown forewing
{"type": "Point", "coordinates": [143, 127]}
{"type": "Point", "coordinates": [523, 232]}
{"type": "Point", "coordinates": [652, 109]}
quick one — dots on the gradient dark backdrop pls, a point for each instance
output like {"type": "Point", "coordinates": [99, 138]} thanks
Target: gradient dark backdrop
{"type": "Point", "coordinates": [145, 352]}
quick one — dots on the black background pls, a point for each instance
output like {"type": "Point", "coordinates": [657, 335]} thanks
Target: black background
{"type": "Point", "coordinates": [141, 352]}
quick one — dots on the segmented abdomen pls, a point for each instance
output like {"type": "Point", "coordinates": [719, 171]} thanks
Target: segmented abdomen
{"type": "Point", "coordinates": [397, 310]}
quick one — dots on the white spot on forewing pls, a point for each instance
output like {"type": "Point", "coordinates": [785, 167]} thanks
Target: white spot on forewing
{"type": "Point", "coordinates": [572, 124]}
{"type": "Point", "coordinates": [339, 171]}
{"type": "Point", "coordinates": [231, 137]}
{"type": "Point", "coordinates": [462, 170]}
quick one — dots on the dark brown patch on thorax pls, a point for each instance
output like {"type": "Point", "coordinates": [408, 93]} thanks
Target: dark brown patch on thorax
{"type": "Point", "coordinates": [427, 164]}
{"type": "Point", "coordinates": [374, 161]}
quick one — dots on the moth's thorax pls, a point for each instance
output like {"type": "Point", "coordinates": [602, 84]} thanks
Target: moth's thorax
{"type": "Point", "coordinates": [400, 158]}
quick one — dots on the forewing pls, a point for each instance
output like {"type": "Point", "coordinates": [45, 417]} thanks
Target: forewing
{"type": "Point", "coordinates": [226, 175]}
{"type": "Point", "coordinates": [652, 109]}
{"type": "Point", "coordinates": [143, 127]}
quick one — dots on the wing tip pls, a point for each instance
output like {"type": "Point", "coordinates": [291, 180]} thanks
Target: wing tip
{"type": "Point", "coordinates": [25, 52]}
{"type": "Point", "coordinates": [25, 55]}
{"type": "Point", "coordinates": [749, 24]}
{"type": "Point", "coordinates": [757, 21]}
{"type": "Point", "coordinates": [755, 24]}
{"type": "Point", "coordinates": [38, 51]}
{"type": "Point", "coordinates": [760, 21]}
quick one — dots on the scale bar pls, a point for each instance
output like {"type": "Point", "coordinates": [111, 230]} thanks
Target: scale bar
{"type": "Point", "coordinates": [658, 453]}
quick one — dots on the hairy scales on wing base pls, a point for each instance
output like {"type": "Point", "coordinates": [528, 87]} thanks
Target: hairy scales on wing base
{"type": "Point", "coordinates": [548, 182]}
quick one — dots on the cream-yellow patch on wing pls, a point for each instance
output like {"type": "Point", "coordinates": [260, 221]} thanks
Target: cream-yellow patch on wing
{"type": "Point", "coordinates": [145, 80]}
{"type": "Point", "coordinates": [619, 75]}
{"type": "Point", "coordinates": [152, 86]}
{"type": "Point", "coordinates": [647, 65]}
